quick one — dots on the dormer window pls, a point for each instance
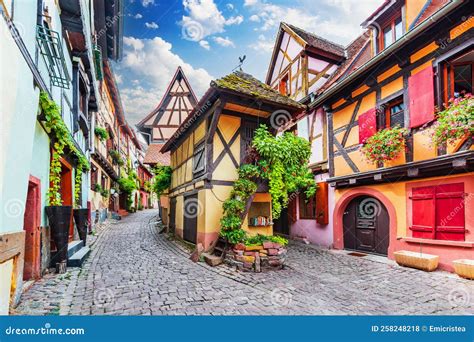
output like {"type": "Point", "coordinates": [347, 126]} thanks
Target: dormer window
{"type": "Point", "coordinates": [391, 33]}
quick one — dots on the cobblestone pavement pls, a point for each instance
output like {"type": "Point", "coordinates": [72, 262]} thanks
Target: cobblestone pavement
{"type": "Point", "coordinates": [133, 270]}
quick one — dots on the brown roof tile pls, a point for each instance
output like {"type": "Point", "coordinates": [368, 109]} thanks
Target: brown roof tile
{"type": "Point", "coordinates": [154, 156]}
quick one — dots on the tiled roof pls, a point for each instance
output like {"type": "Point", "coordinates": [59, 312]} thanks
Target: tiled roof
{"type": "Point", "coordinates": [318, 42]}
{"type": "Point", "coordinates": [154, 156]}
{"type": "Point", "coordinates": [434, 5]}
{"type": "Point", "coordinates": [358, 52]}
{"type": "Point", "coordinates": [247, 84]}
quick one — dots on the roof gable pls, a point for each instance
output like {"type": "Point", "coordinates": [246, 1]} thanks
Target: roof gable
{"type": "Point", "coordinates": [176, 104]}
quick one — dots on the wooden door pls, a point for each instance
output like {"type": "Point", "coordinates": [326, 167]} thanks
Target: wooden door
{"type": "Point", "coordinates": [31, 225]}
{"type": "Point", "coordinates": [172, 218]}
{"type": "Point", "coordinates": [190, 212]}
{"type": "Point", "coordinates": [282, 224]}
{"type": "Point", "coordinates": [366, 226]}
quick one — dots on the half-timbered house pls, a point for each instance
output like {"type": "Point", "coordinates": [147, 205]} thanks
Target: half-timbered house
{"type": "Point", "coordinates": [208, 148]}
{"type": "Point", "coordinates": [421, 54]}
{"type": "Point", "coordinates": [301, 64]}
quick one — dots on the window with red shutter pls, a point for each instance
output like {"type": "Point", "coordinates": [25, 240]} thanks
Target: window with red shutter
{"type": "Point", "coordinates": [367, 125]}
{"type": "Point", "coordinates": [450, 212]}
{"type": "Point", "coordinates": [423, 209]}
{"type": "Point", "coordinates": [307, 207]}
{"type": "Point", "coordinates": [421, 96]}
{"type": "Point", "coordinates": [438, 212]}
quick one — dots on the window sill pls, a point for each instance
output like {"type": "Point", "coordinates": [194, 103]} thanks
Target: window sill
{"type": "Point", "coordinates": [464, 244]}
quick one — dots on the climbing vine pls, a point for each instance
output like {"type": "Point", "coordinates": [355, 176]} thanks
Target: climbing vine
{"type": "Point", "coordinates": [283, 162]}
{"type": "Point", "coordinates": [162, 179]}
{"type": "Point", "coordinates": [63, 140]}
{"type": "Point", "coordinates": [128, 185]}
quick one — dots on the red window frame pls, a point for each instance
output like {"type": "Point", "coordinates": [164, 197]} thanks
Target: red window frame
{"type": "Point", "coordinates": [307, 207]}
{"type": "Point", "coordinates": [284, 85]}
{"type": "Point", "coordinates": [388, 111]}
{"type": "Point", "coordinates": [438, 212]}
{"type": "Point", "coordinates": [448, 78]}
{"type": "Point", "coordinates": [391, 24]}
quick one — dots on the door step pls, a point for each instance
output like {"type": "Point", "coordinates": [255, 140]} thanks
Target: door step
{"type": "Point", "coordinates": [73, 247]}
{"type": "Point", "coordinates": [79, 257]}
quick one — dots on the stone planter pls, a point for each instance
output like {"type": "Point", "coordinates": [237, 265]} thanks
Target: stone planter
{"type": "Point", "coordinates": [257, 258]}
{"type": "Point", "coordinates": [464, 268]}
{"type": "Point", "coordinates": [421, 261]}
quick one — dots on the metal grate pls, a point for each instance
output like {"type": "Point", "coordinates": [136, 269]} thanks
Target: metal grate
{"type": "Point", "coordinates": [49, 43]}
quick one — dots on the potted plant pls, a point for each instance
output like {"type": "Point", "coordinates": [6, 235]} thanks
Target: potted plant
{"type": "Point", "coordinates": [385, 145]}
{"type": "Point", "coordinates": [81, 217]}
{"type": "Point", "coordinates": [101, 133]}
{"type": "Point", "coordinates": [456, 122]}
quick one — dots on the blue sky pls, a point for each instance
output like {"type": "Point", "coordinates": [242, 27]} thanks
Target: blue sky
{"type": "Point", "coordinates": [206, 37]}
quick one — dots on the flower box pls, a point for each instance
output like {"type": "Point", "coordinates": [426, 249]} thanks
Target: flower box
{"type": "Point", "coordinates": [464, 268]}
{"type": "Point", "coordinates": [421, 261]}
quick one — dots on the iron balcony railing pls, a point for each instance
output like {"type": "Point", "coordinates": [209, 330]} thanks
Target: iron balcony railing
{"type": "Point", "coordinates": [49, 43]}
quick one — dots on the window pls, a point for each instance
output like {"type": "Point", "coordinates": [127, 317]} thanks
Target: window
{"type": "Point", "coordinates": [458, 76]}
{"type": "Point", "coordinates": [438, 212]}
{"type": "Point", "coordinates": [307, 207]}
{"type": "Point", "coordinates": [199, 161]}
{"type": "Point", "coordinates": [391, 33]}
{"type": "Point", "coordinates": [94, 176]}
{"type": "Point", "coordinates": [303, 130]}
{"type": "Point", "coordinates": [395, 114]}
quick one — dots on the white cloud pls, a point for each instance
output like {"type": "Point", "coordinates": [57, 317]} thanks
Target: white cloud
{"type": "Point", "coordinates": [230, 6]}
{"type": "Point", "coordinates": [321, 20]}
{"type": "Point", "coordinates": [204, 44]}
{"type": "Point", "coordinates": [226, 42]}
{"type": "Point", "coordinates": [147, 3]}
{"type": "Point", "coordinates": [118, 79]}
{"type": "Point", "coordinates": [235, 20]}
{"type": "Point", "coordinates": [152, 25]}
{"type": "Point", "coordinates": [154, 78]}
{"type": "Point", "coordinates": [262, 45]}
{"type": "Point", "coordinates": [255, 18]}
{"type": "Point", "coordinates": [204, 19]}
{"type": "Point", "coordinates": [138, 16]}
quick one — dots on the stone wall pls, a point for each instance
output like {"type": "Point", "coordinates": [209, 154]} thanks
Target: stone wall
{"type": "Point", "coordinates": [257, 258]}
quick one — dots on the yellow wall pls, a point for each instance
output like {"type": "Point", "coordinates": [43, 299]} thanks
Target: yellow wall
{"type": "Point", "coordinates": [413, 8]}
{"type": "Point", "coordinates": [392, 87]}
{"type": "Point", "coordinates": [226, 170]}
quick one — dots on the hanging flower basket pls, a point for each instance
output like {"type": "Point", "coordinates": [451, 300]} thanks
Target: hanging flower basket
{"type": "Point", "coordinates": [385, 145]}
{"type": "Point", "coordinates": [455, 122]}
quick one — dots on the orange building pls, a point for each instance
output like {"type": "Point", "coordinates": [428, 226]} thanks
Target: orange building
{"type": "Point", "coordinates": [419, 55]}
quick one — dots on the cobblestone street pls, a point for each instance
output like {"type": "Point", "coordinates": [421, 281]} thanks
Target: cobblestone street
{"type": "Point", "coordinates": [133, 270]}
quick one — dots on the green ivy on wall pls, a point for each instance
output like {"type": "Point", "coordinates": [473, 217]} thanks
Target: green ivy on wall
{"type": "Point", "coordinates": [63, 140]}
{"type": "Point", "coordinates": [283, 162]}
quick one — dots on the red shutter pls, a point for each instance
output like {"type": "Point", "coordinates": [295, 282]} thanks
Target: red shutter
{"type": "Point", "coordinates": [367, 125]}
{"type": "Point", "coordinates": [423, 211]}
{"type": "Point", "coordinates": [421, 96]}
{"type": "Point", "coordinates": [322, 212]}
{"type": "Point", "coordinates": [450, 212]}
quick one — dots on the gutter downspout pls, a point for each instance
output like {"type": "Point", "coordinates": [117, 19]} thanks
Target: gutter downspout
{"type": "Point", "coordinates": [388, 51]}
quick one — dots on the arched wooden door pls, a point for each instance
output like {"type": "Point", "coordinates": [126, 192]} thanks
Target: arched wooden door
{"type": "Point", "coordinates": [366, 226]}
